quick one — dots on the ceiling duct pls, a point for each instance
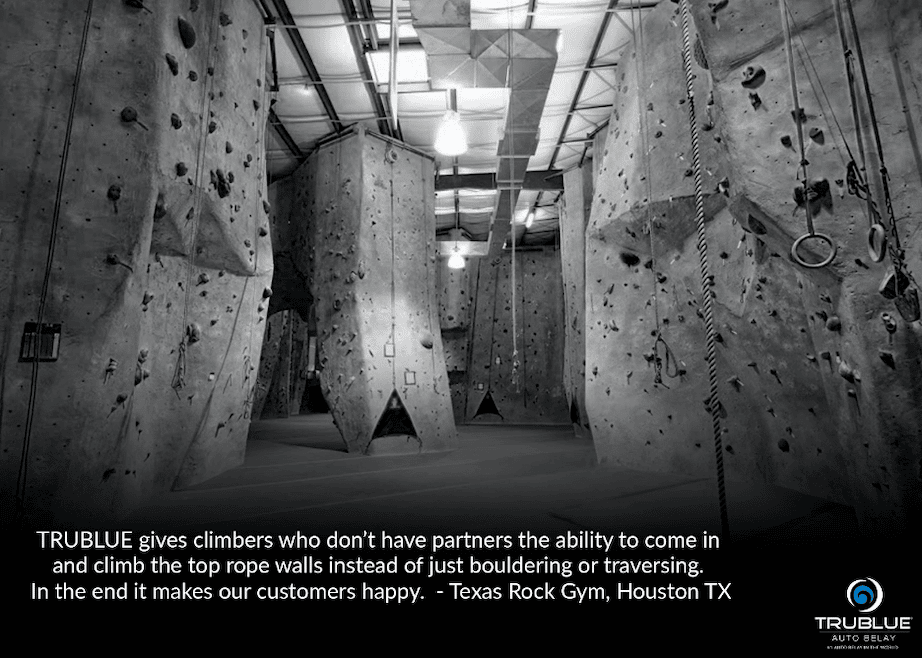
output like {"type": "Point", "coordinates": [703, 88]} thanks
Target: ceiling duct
{"type": "Point", "coordinates": [522, 60]}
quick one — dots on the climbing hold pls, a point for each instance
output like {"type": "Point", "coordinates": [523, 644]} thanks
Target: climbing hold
{"type": "Point", "coordinates": [784, 446]}
{"type": "Point", "coordinates": [700, 57]}
{"type": "Point", "coordinates": [266, 206]}
{"type": "Point", "coordinates": [130, 115]}
{"type": "Point", "coordinates": [193, 6]}
{"type": "Point", "coordinates": [816, 134]}
{"type": "Point", "coordinates": [833, 323]}
{"type": "Point", "coordinates": [181, 169]}
{"type": "Point", "coordinates": [175, 121]}
{"type": "Point", "coordinates": [426, 341]}
{"type": "Point", "coordinates": [267, 292]}
{"type": "Point", "coordinates": [256, 105]}
{"type": "Point", "coordinates": [228, 147]}
{"type": "Point", "coordinates": [755, 100]}
{"type": "Point", "coordinates": [222, 185]}
{"type": "Point", "coordinates": [723, 186]}
{"type": "Point", "coordinates": [753, 77]}
{"type": "Point", "coordinates": [193, 332]}
{"type": "Point", "coordinates": [786, 141]}
{"type": "Point", "coordinates": [889, 322]}
{"type": "Point", "coordinates": [212, 126]}
{"type": "Point", "coordinates": [114, 193]}
{"type": "Point", "coordinates": [887, 358]}
{"type": "Point", "coordinates": [172, 63]}
{"type": "Point", "coordinates": [799, 117]}
{"type": "Point", "coordinates": [659, 133]}
{"type": "Point", "coordinates": [137, 4]}
{"type": "Point", "coordinates": [263, 231]}
{"type": "Point", "coordinates": [193, 76]}
{"type": "Point", "coordinates": [845, 372]}
{"type": "Point", "coordinates": [147, 299]}
{"type": "Point", "coordinates": [186, 32]}
{"type": "Point", "coordinates": [224, 19]}
{"type": "Point", "coordinates": [203, 278]}
{"type": "Point", "coordinates": [893, 284]}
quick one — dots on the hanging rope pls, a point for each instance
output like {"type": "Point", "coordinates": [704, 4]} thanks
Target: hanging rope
{"type": "Point", "coordinates": [659, 343]}
{"type": "Point", "coordinates": [511, 159]}
{"type": "Point", "coordinates": [854, 176]}
{"type": "Point", "coordinates": [713, 400]}
{"type": "Point", "coordinates": [23, 474]}
{"type": "Point", "coordinates": [907, 301]}
{"type": "Point", "coordinates": [191, 334]}
{"type": "Point", "coordinates": [806, 193]}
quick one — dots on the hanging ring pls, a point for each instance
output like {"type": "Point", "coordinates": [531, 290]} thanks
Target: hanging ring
{"type": "Point", "coordinates": [877, 242]}
{"type": "Point", "coordinates": [795, 250]}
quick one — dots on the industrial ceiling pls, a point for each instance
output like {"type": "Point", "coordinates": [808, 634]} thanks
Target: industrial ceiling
{"type": "Point", "coordinates": [332, 61]}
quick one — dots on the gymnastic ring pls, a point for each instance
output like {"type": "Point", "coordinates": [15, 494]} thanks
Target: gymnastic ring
{"type": "Point", "coordinates": [819, 236]}
{"type": "Point", "coordinates": [877, 242]}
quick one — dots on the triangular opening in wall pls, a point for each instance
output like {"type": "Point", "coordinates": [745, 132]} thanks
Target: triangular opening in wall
{"type": "Point", "coordinates": [395, 420]}
{"type": "Point", "coordinates": [487, 406]}
{"type": "Point", "coordinates": [575, 417]}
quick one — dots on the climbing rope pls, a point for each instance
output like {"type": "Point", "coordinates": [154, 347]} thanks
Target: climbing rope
{"type": "Point", "coordinates": [907, 301]}
{"type": "Point", "coordinates": [713, 400]}
{"type": "Point", "coordinates": [806, 191]}
{"type": "Point", "coordinates": [640, 73]}
{"type": "Point", "coordinates": [510, 82]}
{"type": "Point", "coordinates": [55, 222]}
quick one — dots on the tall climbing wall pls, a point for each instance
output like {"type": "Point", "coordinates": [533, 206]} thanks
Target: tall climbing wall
{"type": "Point", "coordinates": [817, 392]}
{"type": "Point", "coordinates": [283, 367]}
{"type": "Point", "coordinates": [574, 215]}
{"type": "Point", "coordinates": [533, 392]}
{"type": "Point", "coordinates": [364, 212]}
{"type": "Point", "coordinates": [456, 299]}
{"type": "Point", "coordinates": [136, 226]}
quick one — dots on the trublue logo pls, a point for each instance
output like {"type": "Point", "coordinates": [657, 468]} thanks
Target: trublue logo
{"type": "Point", "coordinates": [865, 594]}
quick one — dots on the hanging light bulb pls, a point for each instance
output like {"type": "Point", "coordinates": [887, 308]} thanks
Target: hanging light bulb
{"type": "Point", "coordinates": [456, 260]}
{"type": "Point", "coordinates": [450, 138]}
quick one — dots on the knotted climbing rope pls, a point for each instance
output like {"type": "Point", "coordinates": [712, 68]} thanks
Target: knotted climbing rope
{"type": "Point", "coordinates": [714, 405]}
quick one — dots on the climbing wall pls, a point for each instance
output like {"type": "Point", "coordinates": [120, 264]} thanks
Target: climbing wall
{"type": "Point", "coordinates": [574, 215]}
{"type": "Point", "coordinates": [456, 299]}
{"type": "Point", "coordinates": [533, 392]}
{"type": "Point", "coordinates": [135, 171]}
{"type": "Point", "coordinates": [282, 367]}
{"type": "Point", "coordinates": [365, 211]}
{"type": "Point", "coordinates": [816, 393]}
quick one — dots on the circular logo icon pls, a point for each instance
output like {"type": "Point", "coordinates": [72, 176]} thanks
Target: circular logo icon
{"type": "Point", "coordinates": [866, 594]}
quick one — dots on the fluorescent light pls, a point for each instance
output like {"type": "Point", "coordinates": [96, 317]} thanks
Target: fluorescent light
{"type": "Point", "coordinates": [456, 261]}
{"type": "Point", "coordinates": [450, 138]}
{"type": "Point", "coordinates": [530, 219]}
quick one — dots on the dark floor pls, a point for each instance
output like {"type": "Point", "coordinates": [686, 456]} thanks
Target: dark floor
{"type": "Point", "coordinates": [502, 478]}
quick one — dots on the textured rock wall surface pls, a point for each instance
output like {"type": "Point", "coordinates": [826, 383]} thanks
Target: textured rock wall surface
{"type": "Point", "coordinates": [818, 395]}
{"type": "Point", "coordinates": [157, 218]}
{"type": "Point", "coordinates": [456, 299]}
{"type": "Point", "coordinates": [363, 231]}
{"type": "Point", "coordinates": [578, 184]}
{"type": "Point", "coordinates": [534, 392]}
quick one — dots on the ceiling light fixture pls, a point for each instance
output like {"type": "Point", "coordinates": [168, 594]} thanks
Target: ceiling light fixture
{"type": "Point", "coordinates": [530, 219]}
{"type": "Point", "coordinates": [456, 260]}
{"type": "Point", "coordinates": [450, 138]}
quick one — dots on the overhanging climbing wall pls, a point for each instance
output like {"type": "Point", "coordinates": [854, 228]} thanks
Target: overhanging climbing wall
{"type": "Point", "coordinates": [365, 211]}
{"type": "Point", "coordinates": [158, 224]}
{"type": "Point", "coordinates": [816, 394]}
{"type": "Point", "coordinates": [534, 393]}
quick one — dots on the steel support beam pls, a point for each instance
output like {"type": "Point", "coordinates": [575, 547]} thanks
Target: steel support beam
{"type": "Point", "coordinates": [550, 179]}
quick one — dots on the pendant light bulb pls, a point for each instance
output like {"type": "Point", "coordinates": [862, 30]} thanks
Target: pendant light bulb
{"type": "Point", "coordinates": [456, 260]}
{"type": "Point", "coordinates": [450, 138]}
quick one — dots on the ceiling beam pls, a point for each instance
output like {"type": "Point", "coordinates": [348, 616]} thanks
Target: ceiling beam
{"type": "Point", "coordinates": [593, 54]}
{"type": "Point", "coordinates": [550, 179]}
{"type": "Point", "coordinates": [285, 136]}
{"type": "Point", "coordinates": [359, 48]}
{"type": "Point", "coordinates": [300, 48]}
